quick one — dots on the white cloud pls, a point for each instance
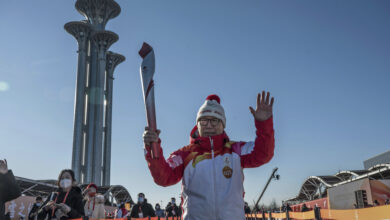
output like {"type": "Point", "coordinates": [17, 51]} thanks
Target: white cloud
{"type": "Point", "coordinates": [4, 86]}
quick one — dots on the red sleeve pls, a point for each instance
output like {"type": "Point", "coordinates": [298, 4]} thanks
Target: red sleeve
{"type": "Point", "coordinates": [261, 151]}
{"type": "Point", "coordinates": [165, 172]}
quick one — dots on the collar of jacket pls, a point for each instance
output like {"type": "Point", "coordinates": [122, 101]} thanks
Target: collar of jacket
{"type": "Point", "coordinates": [204, 142]}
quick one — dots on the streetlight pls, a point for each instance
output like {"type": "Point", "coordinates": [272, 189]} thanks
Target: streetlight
{"type": "Point", "coordinates": [273, 176]}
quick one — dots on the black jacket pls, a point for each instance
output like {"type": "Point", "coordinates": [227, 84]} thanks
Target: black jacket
{"type": "Point", "coordinates": [173, 210]}
{"type": "Point", "coordinates": [9, 190]}
{"type": "Point", "coordinates": [247, 210]}
{"type": "Point", "coordinates": [34, 209]}
{"type": "Point", "coordinates": [74, 201]}
{"type": "Point", "coordinates": [286, 208]}
{"type": "Point", "coordinates": [146, 208]}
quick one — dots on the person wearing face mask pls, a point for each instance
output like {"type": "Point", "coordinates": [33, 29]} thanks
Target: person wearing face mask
{"type": "Point", "coordinates": [211, 166]}
{"type": "Point", "coordinates": [142, 209]}
{"type": "Point", "coordinates": [33, 214]}
{"type": "Point", "coordinates": [9, 189]}
{"type": "Point", "coordinates": [90, 199]}
{"type": "Point", "coordinates": [66, 202]}
{"type": "Point", "coordinates": [159, 211]}
{"type": "Point", "coordinates": [172, 209]}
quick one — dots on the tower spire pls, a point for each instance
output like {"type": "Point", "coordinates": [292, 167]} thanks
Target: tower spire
{"type": "Point", "coordinates": [91, 156]}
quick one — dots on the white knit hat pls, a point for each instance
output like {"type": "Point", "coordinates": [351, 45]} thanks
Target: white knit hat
{"type": "Point", "coordinates": [212, 107]}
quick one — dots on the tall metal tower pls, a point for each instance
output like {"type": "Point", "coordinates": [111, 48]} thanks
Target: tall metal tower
{"type": "Point", "coordinates": [91, 157]}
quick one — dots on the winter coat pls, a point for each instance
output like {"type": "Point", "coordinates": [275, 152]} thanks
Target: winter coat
{"type": "Point", "coordinates": [9, 190]}
{"type": "Point", "coordinates": [34, 210]}
{"type": "Point", "coordinates": [173, 210]}
{"type": "Point", "coordinates": [247, 210]}
{"type": "Point", "coordinates": [160, 213]}
{"type": "Point", "coordinates": [121, 213]}
{"type": "Point", "coordinates": [94, 207]}
{"type": "Point", "coordinates": [211, 170]}
{"type": "Point", "coordinates": [146, 209]}
{"type": "Point", "coordinates": [304, 209]}
{"type": "Point", "coordinates": [74, 201]}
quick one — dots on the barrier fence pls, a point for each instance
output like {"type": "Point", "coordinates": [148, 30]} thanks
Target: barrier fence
{"type": "Point", "coordinates": [374, 213]}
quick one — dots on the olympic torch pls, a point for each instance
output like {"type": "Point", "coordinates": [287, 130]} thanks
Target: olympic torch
{"type": "Point", "coordinates": [147, 72]}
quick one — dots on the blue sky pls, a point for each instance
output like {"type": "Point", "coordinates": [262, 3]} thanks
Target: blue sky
{"type": "Point", "coordinates": [325, 62]}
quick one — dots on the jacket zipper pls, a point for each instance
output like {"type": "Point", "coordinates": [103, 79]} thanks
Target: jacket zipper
{"type": "Point", "coordinates": [214, 178]}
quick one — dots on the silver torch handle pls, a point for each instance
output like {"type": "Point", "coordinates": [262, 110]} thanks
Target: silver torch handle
{"type": "Point", "coordinates": [147, 71]}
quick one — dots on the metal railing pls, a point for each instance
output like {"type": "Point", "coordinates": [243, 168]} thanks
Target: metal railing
{"type": "Point", "coordinates": [373, 213]}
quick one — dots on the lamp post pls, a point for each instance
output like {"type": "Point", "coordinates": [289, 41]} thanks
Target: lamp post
{"type": "Point", "coordinates": [273, 176]}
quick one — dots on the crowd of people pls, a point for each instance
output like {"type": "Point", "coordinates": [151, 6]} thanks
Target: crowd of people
{"type": "Point", "coordinates": [211, 153]}
{"type": "Point", "coordinates": [70, 202]}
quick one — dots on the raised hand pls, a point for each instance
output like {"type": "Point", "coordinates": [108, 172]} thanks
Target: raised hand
{"type": "Point", "coordinates": [263, 108]}
{"type": "Point", "coordinates": [3, 166]}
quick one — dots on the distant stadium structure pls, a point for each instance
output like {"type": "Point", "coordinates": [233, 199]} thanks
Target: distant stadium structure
{"type": "Point", "coordinates": [347, 189]}
{"type": "Point", "coordinates": [114, 195]}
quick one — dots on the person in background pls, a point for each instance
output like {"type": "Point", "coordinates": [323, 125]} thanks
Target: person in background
{"type": "Point", "coordinates": [247, 210]}
{"type": "Point", "coordinates": [99, 211]}
{"type": "Point", "coordinates": [89, 199]}
{"type": "Point", "coordinates": [159, 211]}
{"type": "Point", "coordinates": [93, 202]}
{"type": "Point", "coordinates": [376, 203]}
{"type": "Point", "coordinates": [122, 211]}
{"type": "Point", "coordinates": [165, 210]}
{"type": "Point", "coordinates": [142, 209]}
{"type": "Point", "coordinates": [9, 189]}
{"type": "Point", "coordinates": [387, 202]}
{"type": "Point", "coordinates": [304, 208]}
{"type": "Point", "coordinates": [285, 207]}
{"type": "Point", "coordinates": [67, 202]}
{"type": "Point", "coordinates": [172, 209]}
{"type": "Point", "coordinates": [33, 214]}
{"type": "Point", "coordinates": [288, 208]}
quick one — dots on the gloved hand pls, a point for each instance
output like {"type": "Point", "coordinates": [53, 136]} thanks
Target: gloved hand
{"type": "Point", "coordinates": [64, 208]}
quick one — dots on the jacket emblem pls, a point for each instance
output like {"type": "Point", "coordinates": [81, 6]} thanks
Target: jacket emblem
{"type": "Point", "coordinates": [227, 171]}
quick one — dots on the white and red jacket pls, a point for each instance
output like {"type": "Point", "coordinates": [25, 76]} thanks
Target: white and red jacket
{"type": "Point", "coordinates": [212, 172]}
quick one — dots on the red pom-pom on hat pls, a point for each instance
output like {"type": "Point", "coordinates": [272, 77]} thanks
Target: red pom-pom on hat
{"type": "Point", "coordinates": [214, 97]}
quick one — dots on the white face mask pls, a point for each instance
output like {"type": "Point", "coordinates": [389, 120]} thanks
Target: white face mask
{"type": "Point", "coordinates": [65, 183]}
{"type": "Point", "coordinates": [141, 199]}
